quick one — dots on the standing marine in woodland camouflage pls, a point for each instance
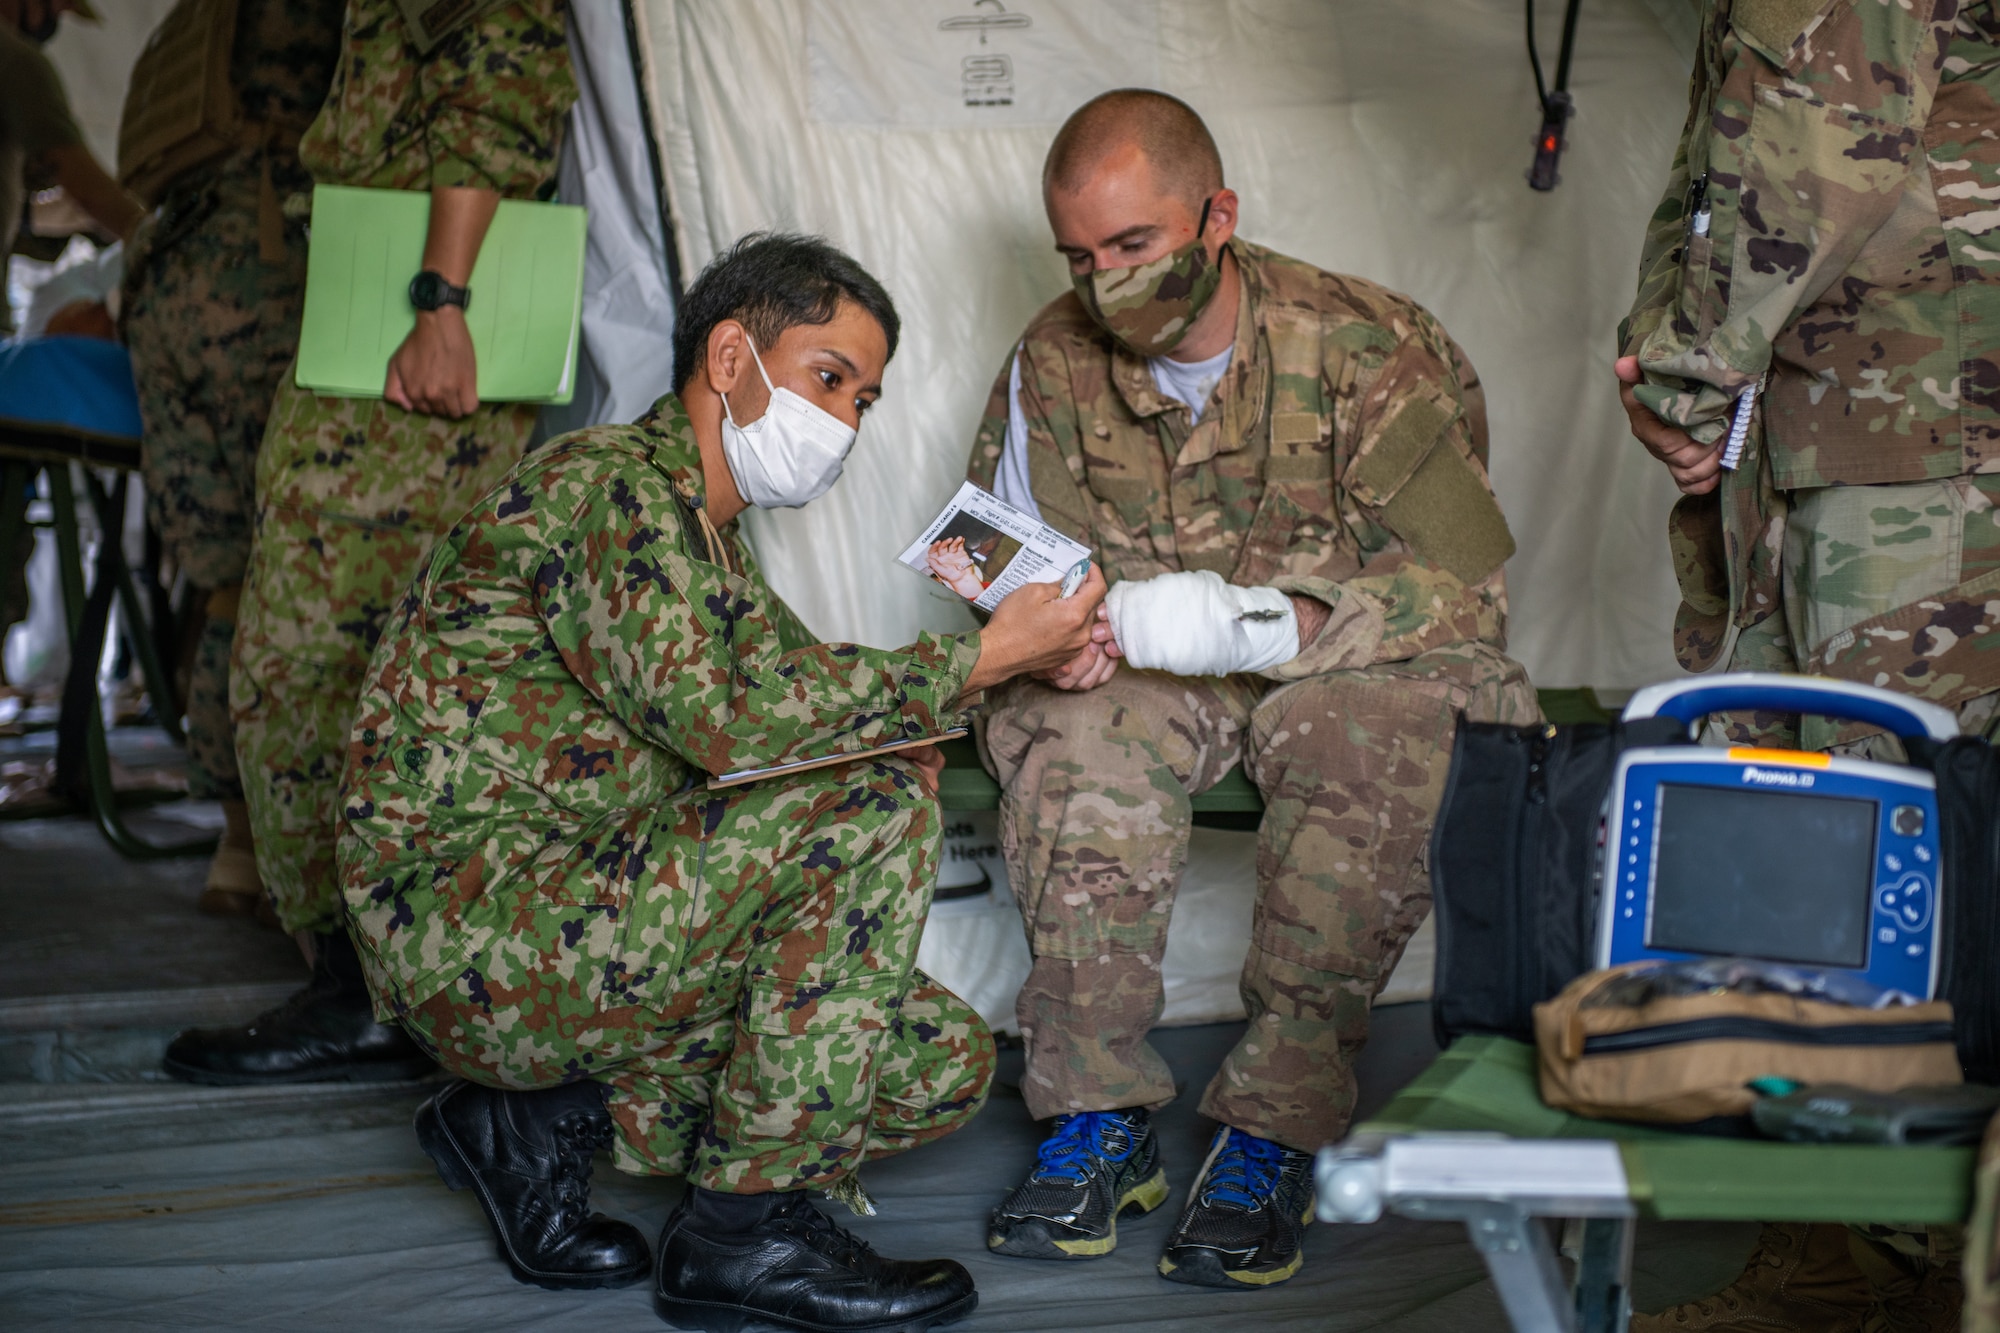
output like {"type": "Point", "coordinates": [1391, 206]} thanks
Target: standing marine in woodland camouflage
{"type": "Point", "coordinates": [548, 895]}
{"type": "Point", "coordinates": [1823, 275]}
{"type": "Point", "coordinates": [1294, 459]}
{"type": "Point", "coordinates": [214, 283]}
{"type": "Point", "coordinates": [352, 491]}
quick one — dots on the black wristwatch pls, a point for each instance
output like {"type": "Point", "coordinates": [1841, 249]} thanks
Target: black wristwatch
{"type": "Point", "coordinates": [429, 290]}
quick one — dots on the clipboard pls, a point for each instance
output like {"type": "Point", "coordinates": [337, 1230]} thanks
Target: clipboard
{"type": "Point", "coordinates": [806, 765]}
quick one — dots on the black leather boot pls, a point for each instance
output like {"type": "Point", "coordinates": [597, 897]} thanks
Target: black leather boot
{"type": "Point", "coordinates": [526, 1155]}
{"type": "Point", "coordinates": [735, 1261]}
{"type": "Point", "coordinates": [326, 1032]}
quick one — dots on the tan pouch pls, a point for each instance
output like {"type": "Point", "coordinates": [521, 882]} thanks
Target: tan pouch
{"type": "Point", "coordinates": [1682, 1058]}
{"type": "Point", "coordinates": [181, 110]}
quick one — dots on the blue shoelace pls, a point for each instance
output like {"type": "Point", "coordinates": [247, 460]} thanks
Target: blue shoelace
{"type": "Point", "coordinates": [1245, 1173]}
{"type": "Point", "coordinates": [1078, 1140]}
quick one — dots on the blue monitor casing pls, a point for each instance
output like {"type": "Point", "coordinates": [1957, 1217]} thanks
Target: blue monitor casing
{"type": "Point", "coordinates": [1790, 856]}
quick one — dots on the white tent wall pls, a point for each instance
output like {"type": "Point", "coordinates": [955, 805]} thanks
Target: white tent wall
{"type": "Point", "coordinates": [95, 61]}
{"type": "Point", "coordinates": [625, 361]}
{"type": "Point", "coordinates": [1385, 139]}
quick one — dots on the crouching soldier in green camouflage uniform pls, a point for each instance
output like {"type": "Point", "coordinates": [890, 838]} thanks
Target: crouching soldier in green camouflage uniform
{"type": "Point", "coordinates": [1824, 272]}
{"type": "Point", "coordinates": [1281, 471]}
{"type": "Point", "coordinates": [547, 896]}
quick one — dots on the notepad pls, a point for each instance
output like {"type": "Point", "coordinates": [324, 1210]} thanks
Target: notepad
{"type": "Point", "coordinates": [527, 294]}
{"type": "Point", "coordinates": [742, 776]}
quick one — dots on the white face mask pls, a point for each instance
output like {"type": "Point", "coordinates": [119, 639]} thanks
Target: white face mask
{"type": "Point", "coordinates": [789, 456]}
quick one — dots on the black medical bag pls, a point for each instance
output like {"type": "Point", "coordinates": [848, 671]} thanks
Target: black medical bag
{"type": "Point", "coordinates": [1514, 868]}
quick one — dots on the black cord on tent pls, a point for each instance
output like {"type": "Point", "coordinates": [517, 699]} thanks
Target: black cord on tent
{"type": "Point", "coordinates": [1557, 107]}
{"type": "Point", "coordinates": [635, 47]}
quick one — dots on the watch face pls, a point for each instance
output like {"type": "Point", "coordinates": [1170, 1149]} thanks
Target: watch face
{"type": "Point", "coordinates": [426, 289]}
{"type": "Point", "coordinates": [430, 291]}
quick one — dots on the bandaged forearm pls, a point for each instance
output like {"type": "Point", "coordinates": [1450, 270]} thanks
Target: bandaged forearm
{"type": "Point", "coordinates": [1195, 624]}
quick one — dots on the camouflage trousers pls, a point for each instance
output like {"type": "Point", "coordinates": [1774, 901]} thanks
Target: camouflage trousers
{"type": "Point", "coordinates": [1852, 556]}
{"type": "Point", "coordinates": [737, 967]}
{"type": "Point", "coordinates": [1849, 556]}
{"type": "Point", "coordinates": [1982, 1240]}
{"type": "Point", "coordinates": [212, 329]}
{"type": "Point", "coordinates": [1094, 824]}
{"type": "Point", "coordinates": [350, 494]}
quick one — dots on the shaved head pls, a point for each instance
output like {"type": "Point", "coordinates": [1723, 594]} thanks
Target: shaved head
{"type": "Point", "coordinates": [1164, 130]}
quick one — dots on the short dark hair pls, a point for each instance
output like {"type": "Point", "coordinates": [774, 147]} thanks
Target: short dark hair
{"type": "Point", "coordinates": [771, 281]}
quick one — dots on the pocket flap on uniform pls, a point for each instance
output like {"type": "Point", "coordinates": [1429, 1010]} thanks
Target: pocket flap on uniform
{"type": "Point", "coordinates": [1295, 428]}
{"type": "Point", "coordinates": [1121, 490]}
{"type": "Point", "coordinates": [784, 1007]}
{"type": "Point", "coordinates": [1282, 468]}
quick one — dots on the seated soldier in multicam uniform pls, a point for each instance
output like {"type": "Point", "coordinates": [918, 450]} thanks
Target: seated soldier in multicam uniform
{"type": "Point", "coordinates": [717, 984]}
{"type": "Point", "coordinates": [1281, 471]}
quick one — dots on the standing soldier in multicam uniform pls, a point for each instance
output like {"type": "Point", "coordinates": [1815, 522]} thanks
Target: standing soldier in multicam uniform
{"type": "Point", "coordinates": [352, 491]}
{"type": "Point", "coordinates": [549, 898]}
{"type": "Point", "coordinates": [1281, 471]}
{"type": "Point", "coordinates": [1824, 273]}
{"type": "Point", "coordinates": [214, 282]}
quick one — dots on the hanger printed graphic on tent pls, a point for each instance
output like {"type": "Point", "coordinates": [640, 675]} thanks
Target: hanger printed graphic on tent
{"type": "Point", "coordinates": [982, 23]}
{"type": "Point", "coordinates": [987, 79]}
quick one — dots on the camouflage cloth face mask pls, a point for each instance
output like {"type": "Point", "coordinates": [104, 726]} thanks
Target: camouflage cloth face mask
{"type": "Point", "coordinates": [1150, 307]}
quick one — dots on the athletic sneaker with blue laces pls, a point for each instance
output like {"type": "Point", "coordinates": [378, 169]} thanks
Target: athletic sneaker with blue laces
{"type": "Point", "coordinates": [1094, 1166]}
{"type": "Point", "coordinates": [1246, 1215]}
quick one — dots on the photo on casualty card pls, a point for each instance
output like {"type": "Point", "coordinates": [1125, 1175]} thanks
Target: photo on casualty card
{"type": "Point", "coordinates": [983, 548]}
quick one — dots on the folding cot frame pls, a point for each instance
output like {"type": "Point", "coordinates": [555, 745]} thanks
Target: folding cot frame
{"type": "Point", "coordinates": [1470, 1140]}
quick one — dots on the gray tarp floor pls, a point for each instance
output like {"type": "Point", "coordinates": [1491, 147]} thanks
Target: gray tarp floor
{"type": "Point", "coordinates": [130, 1202]}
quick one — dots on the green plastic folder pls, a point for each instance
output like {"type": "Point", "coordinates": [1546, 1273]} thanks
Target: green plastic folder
{"type": "Point", "coordinates": [527, 294]}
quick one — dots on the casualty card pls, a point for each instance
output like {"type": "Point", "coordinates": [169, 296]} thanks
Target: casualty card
{"type": "Point", "coordinates": [983, 548]}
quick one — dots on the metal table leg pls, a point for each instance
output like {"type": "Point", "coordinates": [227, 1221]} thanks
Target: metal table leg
{"type": "Point", "coordinates": [110, 517]}
{"type": "Point", "coordinates": [1604, 1275]}
{"type": "Point", "coordinates": [1522, 1262]}
{"type": "Point", "coordinates": [14, 478]}
{"type": "Point", "coordinates": [69, 546]}
{"type": "Point", "coordinates": [1505, 1191]}
{"type": "Point", "coordinates": [100, 794]}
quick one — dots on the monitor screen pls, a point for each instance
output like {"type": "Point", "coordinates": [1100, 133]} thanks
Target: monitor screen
{"type": "Point", "coordinates": [1763, 874]}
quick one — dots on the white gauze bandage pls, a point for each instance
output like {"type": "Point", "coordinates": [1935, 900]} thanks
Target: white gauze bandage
{"type": "Point", "coordinates": [1195, 624]}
